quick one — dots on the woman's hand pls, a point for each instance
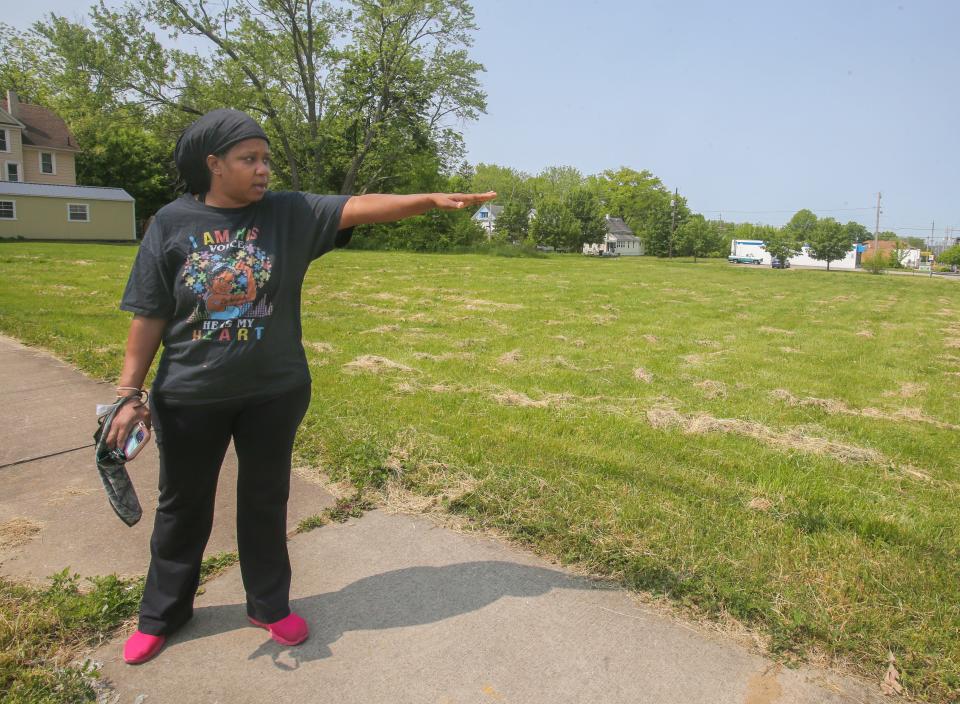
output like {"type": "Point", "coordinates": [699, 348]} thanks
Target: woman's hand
{"type": "Point", "coordinates": [455, 201]}
{"type": "Point", "coordinates": [125, 421]}
{"type": "Point", "coordinates": [380, 207]}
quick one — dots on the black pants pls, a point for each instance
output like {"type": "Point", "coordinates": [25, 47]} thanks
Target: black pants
{"type": "Point", "coordinates": [192, 440]}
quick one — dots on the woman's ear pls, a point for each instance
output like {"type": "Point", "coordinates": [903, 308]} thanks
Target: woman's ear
{"type": "Point", "coordinates": [213, 163]}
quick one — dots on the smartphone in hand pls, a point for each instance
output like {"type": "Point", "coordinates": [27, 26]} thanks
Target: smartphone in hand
{"type": "Point", "coordinates": [137, 438]}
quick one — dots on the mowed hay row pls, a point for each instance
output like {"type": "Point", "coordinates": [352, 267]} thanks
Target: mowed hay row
{"type": "Point", "coordinates": [665, 417]}
{"type": "Point", "coordinates": [837, 407]}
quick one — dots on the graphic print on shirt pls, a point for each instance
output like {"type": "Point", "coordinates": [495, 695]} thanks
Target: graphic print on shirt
{"type": "Point", "coordinates": [226, 274]}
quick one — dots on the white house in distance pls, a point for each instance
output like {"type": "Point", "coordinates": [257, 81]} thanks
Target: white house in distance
{"type": "Point", "coordinates": [619, 240]}
{"type": "Point", "coordinates": [39, 195]}
{"type": "Point", "coordinates": [486, 217]}
{"type": "Point", "coordinates": [758, 250]}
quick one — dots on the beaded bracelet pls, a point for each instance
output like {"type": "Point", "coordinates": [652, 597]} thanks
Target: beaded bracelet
{"type": "Point", "coordinates": [141, 394]}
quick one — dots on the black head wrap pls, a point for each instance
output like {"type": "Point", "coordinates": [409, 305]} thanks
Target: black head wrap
{"type": "Point", "coordinates": [213, 133]}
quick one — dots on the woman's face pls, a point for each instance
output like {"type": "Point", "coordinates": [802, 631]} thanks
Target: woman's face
{"type": "Point", "coordinates": [243, 173]}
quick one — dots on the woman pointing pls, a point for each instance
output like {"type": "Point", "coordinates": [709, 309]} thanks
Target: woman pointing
{"type": "Point", "coordinates": [217, 281]}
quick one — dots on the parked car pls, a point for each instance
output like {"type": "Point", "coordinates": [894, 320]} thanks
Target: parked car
{"type": "Point", "coordinates": [746, 259]}
{"type": "Point", "coordinates": [779, 263]}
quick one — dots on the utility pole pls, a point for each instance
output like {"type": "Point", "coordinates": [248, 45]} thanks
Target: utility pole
{"type": "Point", "coordinates": [673, 225]}
{"type": "Point", "coordinates": [876, 230]}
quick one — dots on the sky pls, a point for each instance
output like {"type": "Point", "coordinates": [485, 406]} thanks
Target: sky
{"type": "Point", "coordinates": [753, 110]}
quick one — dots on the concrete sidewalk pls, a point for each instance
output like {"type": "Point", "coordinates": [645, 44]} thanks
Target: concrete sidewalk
{"type": "Point", "coordinates": [400, 609]}
{"type": "Point", "coordinates": [56, 504]}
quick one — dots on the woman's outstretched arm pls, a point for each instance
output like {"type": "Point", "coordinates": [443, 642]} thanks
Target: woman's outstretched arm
{"type": "Point", "coordinates": [378, 207]}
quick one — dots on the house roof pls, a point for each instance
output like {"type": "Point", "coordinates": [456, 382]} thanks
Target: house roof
{"type": "Point", "coordinates": [19, 188]}
{"type": "Point", "coordinates": [616, 226]}
{"type": "Point", "coordinates": [8, 119]}
{"type": "Point", "coordinates": [620, 237]}
{"type": "Point", "coordinates": [42, 127]}
{"type": "Point", "coordinates": [494, 210]}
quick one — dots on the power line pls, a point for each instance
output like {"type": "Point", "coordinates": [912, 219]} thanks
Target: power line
{"type": "Point", "coordinates": [762, 212]}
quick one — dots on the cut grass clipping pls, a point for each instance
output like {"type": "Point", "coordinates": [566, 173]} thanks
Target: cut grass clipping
{"type": "Point", "coordinates": [729, 437]}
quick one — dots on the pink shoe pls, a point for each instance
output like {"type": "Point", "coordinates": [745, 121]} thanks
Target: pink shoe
{"type": "Point", "coordinates": [141, 647]}
{"type": "Point", "coordinates": [291, 630]}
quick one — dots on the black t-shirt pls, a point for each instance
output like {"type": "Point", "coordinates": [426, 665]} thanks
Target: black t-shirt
{"type": "Point", "coordinates": [229, 280]}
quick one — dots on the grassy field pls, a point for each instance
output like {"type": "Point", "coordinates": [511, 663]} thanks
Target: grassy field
{"type": "Point", "coordinates": [779, 446]}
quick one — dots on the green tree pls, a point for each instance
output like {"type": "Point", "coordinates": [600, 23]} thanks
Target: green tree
{"type": "Point", "coordinates": [644, 203]}
{"type": "Point", "coordinates": [585, 207]}
{"type": "Point", "coordinates": [801, 226]}
{"type": "Point", "coordinates": [829, 241]}
{"type": "Point", "coordinates": [131, 158]}
{"type": "Point", "coordinates": [509, 183]}
{"type": "Point", "coordinates": [781, 243]}
{"type": "Point", "coordinates": [950, 256]}
{"type": "Point", "coordinates": [697, 237]}
{"type": "Point", "coordinates": [858, 233]}
{"type": "Point", "coordinates": [349, 95]}
{"type": "Point", "coordinates": [513, 222]}
{"type": "Point", "coordinates": [556, 182]}
{"type": "Point", "coordinates": [554, 225]}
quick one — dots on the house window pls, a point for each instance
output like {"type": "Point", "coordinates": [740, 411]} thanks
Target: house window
{"type": "Point", "coordinates": [78, 212]}
{"type": "Point", "coordinates": [482, 214]}
{"type": "Point", "coordinates": [3, 141]}
{"type": "Point", "coordinates": [13, 171]}
{"type": "Point", "coordinates": [47, 163]}
{"type": "Point", "coordinates": [8, 210]}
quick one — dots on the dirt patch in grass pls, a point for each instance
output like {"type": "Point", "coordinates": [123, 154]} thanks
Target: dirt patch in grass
{"type": "Point", "coordinates": [662, 417]}
{"type": "Point", "coordinates": [375, 365]}
{"type": "Point", "coordinates": [641, 374]}
{"type": "Point", "coordinates": [652, 339]}
{"type": "Point", "coordinates": [775, 331]}
{"type": "Point", "coordinates": [17, 531]}
{"type": "Point", "coordinates": [789, 350]}
{"type": "Point", "coordinates": [864, 333]}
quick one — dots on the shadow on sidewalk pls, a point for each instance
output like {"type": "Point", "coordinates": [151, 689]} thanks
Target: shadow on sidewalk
{"type": "Point", "coordinates": [408, 597]}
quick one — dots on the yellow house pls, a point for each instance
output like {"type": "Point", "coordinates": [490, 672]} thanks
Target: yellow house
{"type": "Point", "coordinates": [39, 195]}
